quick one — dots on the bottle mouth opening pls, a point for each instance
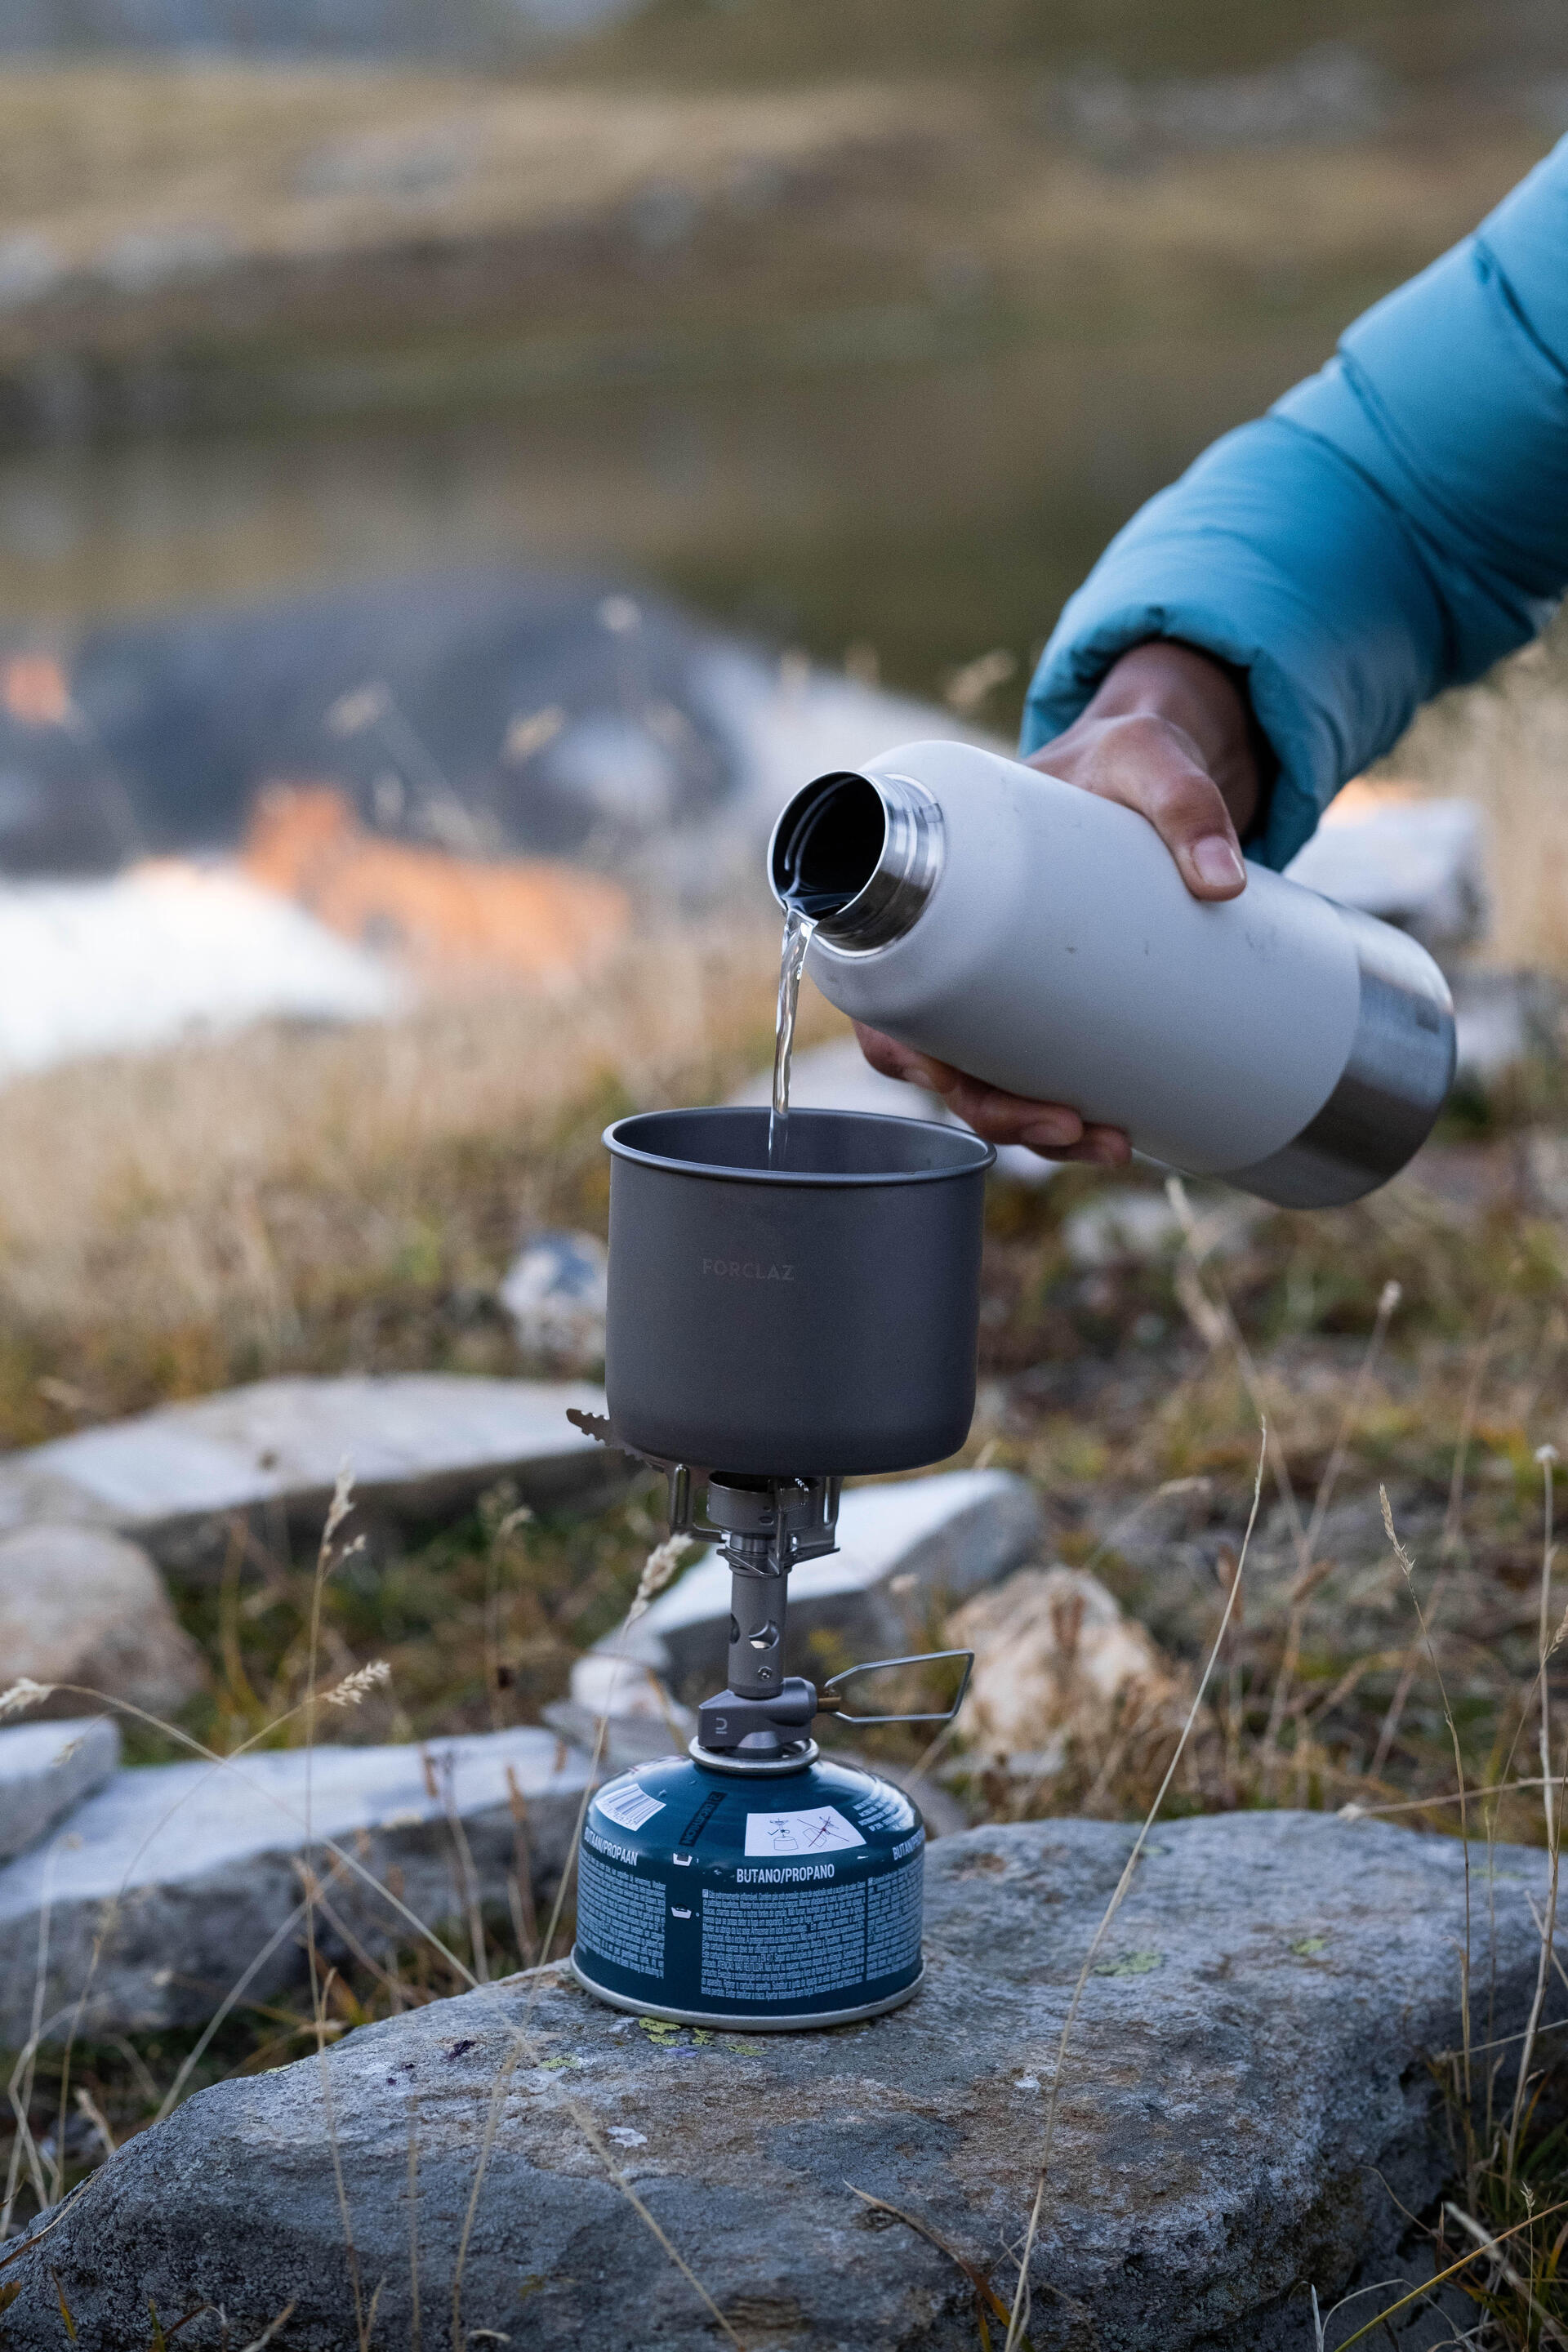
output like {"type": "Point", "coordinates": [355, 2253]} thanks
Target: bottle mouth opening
{"type": "Point", "coordinates": [859, 855]}
{"type": "Point", "coordinates": [827, 845]}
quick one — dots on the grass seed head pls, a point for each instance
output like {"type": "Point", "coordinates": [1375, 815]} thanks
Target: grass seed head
{"type": "Point", "coordinates": [353, 1687]}
{"type": "Point", "coordinates": [660, 1567]}
{"type": "Point", "coordinates": [23, 1693]}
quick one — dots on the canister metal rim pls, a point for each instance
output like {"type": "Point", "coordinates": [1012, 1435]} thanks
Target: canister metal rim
{"type": "Point", "coordinates": [755, 1767]}
{"type": "Point", "coordinates": [724, 2023]}
{"type": "Point", "coordinates": [980, 1155]}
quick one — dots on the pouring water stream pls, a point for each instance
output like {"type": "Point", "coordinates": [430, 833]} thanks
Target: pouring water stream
{"type": "Point", "coordinates": [797, 932]}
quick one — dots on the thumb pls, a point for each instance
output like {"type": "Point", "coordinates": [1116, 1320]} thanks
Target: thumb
{"type": "Point", "coordinates": [1184, 804]}
{"type": "Point", "coordinates": [1145, 763]}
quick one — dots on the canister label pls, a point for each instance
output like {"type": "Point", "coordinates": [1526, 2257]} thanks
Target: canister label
{"type": "Point", "coordinates": [812, 1940]}
{"type": "Point", "coordinates": [728, 1899]}
{"type": "Point", "coordinates": [620, 1916]}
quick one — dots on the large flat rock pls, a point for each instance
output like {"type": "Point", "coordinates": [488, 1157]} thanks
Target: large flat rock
{"type": "Point", "coordinates": [166, 1886]}
{"type": "Point", "coordinates": [420, 1444]}
{"type": "Point", "coordinates": [1247, 2094]}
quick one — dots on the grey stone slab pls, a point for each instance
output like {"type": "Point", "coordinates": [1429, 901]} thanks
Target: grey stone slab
{"type": "Point", "coordinates": [421, 1445]}
{"type": "Point", "coordinates": [903, 1547]}
{"type": "Point", "coordinates": [1247, 2094]}
{"type": "Point", "coordinates": [184, 1874]}
{"type": "Point", "coordinates": [1502, 1018]}
{"type": "Point", "coordinates": [629, 1739]}
{"type": "Point", "coordinates": [557, 1293]}
{"type": "Point", "coordinates": [45, 1770]}
{"type": "Point", "coordinates": [1133, 1223]}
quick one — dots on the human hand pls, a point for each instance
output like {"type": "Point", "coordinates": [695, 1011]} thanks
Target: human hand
{"type": "Point", "coordinates": [1168, 734]}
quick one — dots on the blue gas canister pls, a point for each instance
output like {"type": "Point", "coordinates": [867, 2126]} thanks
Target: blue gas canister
{"type": "Point", "coordinates": [714, 1898]}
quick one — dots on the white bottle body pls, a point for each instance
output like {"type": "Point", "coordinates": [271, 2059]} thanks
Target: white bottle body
{"type": "Point", "coordinates": [1058, 954]}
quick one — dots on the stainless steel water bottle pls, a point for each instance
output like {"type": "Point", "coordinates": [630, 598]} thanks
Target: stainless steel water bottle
{"type": "Point", "coordinates": [1042, 939]}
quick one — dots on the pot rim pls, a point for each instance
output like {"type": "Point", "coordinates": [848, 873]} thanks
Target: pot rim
{"type": "Point", "coordinates": [983, 1153]}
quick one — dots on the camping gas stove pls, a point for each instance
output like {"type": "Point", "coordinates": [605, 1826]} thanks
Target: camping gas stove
{"type": "Point", "coordinates": [754, 1881]}
{"type": "Point", "coordinates": [823, 1312]}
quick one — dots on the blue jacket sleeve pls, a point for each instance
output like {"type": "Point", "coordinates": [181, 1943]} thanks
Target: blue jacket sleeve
{"type": "Point", "coordinates": [1394, 525]}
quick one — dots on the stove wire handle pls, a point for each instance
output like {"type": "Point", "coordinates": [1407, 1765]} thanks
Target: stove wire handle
{"type": "Point", "coordinates": [835, 1705]}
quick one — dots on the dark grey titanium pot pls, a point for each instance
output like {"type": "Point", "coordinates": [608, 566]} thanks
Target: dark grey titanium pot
{"type": "Point", "coordinates": [816, 1322]}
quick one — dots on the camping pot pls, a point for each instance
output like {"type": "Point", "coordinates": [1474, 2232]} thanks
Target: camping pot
{"type": "Point", "coordinates": [816, 1319]}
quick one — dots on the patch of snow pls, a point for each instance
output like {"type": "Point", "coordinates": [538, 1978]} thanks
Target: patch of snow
{"type": "Point", "coordinates": [160, 952]}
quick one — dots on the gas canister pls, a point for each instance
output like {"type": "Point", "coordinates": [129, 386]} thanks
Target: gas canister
{"type": "Point", "coordinates": [715, 1897]}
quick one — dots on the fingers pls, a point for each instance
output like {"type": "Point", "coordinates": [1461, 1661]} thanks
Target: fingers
{"type": "Point", "coordinates": [1051, 1130]}
{"type": "Point", "coordinates": [1154, 767]}
{"type": "Point", "coordinates": [1102, 1146]}
{"type": "Point", "coordinates": [896, 1061]}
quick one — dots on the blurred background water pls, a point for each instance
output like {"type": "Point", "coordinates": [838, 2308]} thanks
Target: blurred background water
{"type": "Point", "coordinates": [859, 327]}
{"type": "Point", "coordinates": [924, 509]}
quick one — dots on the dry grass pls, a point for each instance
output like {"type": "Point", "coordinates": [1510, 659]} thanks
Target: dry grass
{"type": "Point", "coordinates": [1272, 1733]}
{"type": "Point", "coordinates": [1470, 1716]}
{"type": "Point", "coordinates": [692, 40]}
{"type": "Point", "coordinates": [276, 160]}
{"type": "Point", "coordinates": [192, 210]}
{"type": "Point", "coordinates": [1114, 1382]}
{"type": "Point", "coordinates": [39, 2167]}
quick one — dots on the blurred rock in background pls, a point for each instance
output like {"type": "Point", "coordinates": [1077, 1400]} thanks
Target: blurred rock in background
{"type": "Point", "coordinates": [556, 1291]}
{"type": "Point", "coordinates": [553, 755]}
{"type": "Point", "coordinates": [434, 913]}
{"type": "Point", "coordinates": [1057, 1665]}
{"type": "Point", "coordinates": [85, 1612]}
{"type": "Point", "coordinates": [1407, 858]}
{"type": "Point", "coordinates": [45, 1770]}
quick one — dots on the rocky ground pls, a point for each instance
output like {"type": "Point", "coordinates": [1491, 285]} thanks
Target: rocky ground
{"type": "Point", "coordinates": [1230, 2097]}
{"type": "Point", "coordinates": [1133, 1341]}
